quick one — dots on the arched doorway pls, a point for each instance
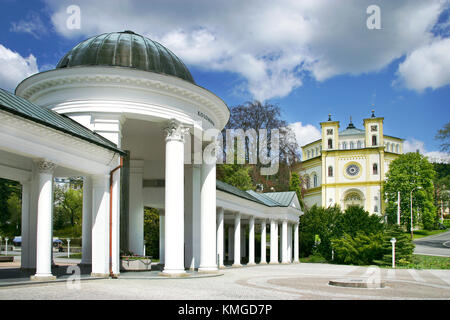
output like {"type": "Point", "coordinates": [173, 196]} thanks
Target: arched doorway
{"type": "Point", "coordinates": [353, 197]}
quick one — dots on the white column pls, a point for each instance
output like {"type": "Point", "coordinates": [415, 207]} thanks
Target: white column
{"type": "Point", "coordinates": [86, 236]}
{"type": "Point", "coordinates": [230, 243]}
{"type": "Point", "coordinates": [208, 257]}
{"type": "Point", "coordinates": [115, 224]}
{"type": "Point", "coordinates": [290, 242]}
{"type": "Point", "coordinates": [100, 225]}
{"type": "Point", "coordinates": [243, 241]}
{"type": "Point", "coordinates": [273, 242]}
{"type": "Point", "coordinates": [296, 252]}
{"type": "Point", "coordinates": [25, 250]}
{"type": "Point", "coordinates": [220, 233]}
{"type": "Point", "coordinates": [174, 199]}
{"type": "Point", "coordinates": [284, 242]}
{"type": "Point", "coordinates": [161, 237]}
{"type": "Point", "coordinates": [251, 240]}
{"type": "Point", "coordinates": [263, 242]}
{"type": "Point", "coordinates": [44, 221]}
{"type": "Point", "coordinates": [196, 214]}
{"type": "Point", "coordinates": [136, 210]}
{"type": "Point", "coordinates": [237, 240]}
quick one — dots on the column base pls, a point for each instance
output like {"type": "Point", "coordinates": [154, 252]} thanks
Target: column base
{"type": "Point", "coordinates": [222, 267]}
{"type": "Point", "coordinates": [251, 264]}
{"type": "Point", "coordinates": [263, 262]}
{"type": "Point", "coordinates": [285, 262]}
{"type": "Point", "coordinates": [174, 274]}
{"type": "Point", "coordinates": [43, 277]}
{"type": "Point", "coordinates": [274, 262]}
{"type": "Point", "coordinates": [99, 275]}
{"type": "Point", "coordinates": [208, 270]}
{"type": "Point", "coordinates": [296, 262]}
{"type": "Point", "coordinates": [236, 265]}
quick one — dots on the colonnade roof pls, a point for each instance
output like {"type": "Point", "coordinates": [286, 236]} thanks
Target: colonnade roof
{"type": "Point", "coordinates": [30, 111]}
{"type": "Point", "coordinates": [269, 199]}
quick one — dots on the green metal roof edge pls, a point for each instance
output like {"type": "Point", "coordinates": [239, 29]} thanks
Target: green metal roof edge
{"type": "Point", "coordinates": [106, 144]}
{"type": "Point", "coordinates": [228, 188]}
{"type": "Point", "coordinates": [292, 195]}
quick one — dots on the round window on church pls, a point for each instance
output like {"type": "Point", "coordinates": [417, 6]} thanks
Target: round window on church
{"type": "Point", "coordinates": [352, 170]}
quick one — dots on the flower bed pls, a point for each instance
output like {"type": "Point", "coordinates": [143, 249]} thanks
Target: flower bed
{"type": "Point", "coordinates": [135, 263]}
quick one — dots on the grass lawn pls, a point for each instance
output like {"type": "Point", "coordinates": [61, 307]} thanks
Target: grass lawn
{"type": "Point", "coordinates": [313, 259]}
{"type": "Point", "coordinates": [425, 233]}
{"type": "Point", "coordinates": [428, 262]}
{"type": "Point", "coordinates": [72, 256]}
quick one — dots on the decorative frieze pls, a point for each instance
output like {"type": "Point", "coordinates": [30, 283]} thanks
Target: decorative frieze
{"type": "Point", "coordinates": [45, 166]}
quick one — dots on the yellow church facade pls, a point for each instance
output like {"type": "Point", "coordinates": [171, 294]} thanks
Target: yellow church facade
{"type": "Point", "coordinates": [348, 167]}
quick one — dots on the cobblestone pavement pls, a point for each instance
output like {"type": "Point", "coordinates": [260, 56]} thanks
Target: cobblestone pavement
{"type": "Point", "coordinates": [301, 281]}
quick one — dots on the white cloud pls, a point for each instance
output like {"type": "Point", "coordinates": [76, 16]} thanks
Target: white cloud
{"type": "Point", "coordinates": [14, 68]}
{"type": "Point", "coordinates": [426, 67]}
{"type": "Point", "coordinates": [32, 25]}
{"type": "Point", "coordinates": [269, 44]}
{"type": "Point", "coordinates": [305, 133]}
{"type": "Point", "coordinates": [413, 145]}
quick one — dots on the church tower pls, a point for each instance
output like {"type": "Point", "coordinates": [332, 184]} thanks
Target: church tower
{"type": "Point", "coordinates": [330, 134]}
{"type": "Point", "coordinates": [374, 131]}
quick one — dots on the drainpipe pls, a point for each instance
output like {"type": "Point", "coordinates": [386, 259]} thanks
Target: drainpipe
{"type": "Point", "coordinates": [111, 181]}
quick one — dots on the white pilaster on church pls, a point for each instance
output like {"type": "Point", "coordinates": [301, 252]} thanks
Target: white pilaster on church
{"type": "Point", "coordinates": [86, 232]}
{"type": "Point", "coordinates": [174, 198]}
{"type": "Point", "coordinates": [136, 211]}
{"type": "Point", "coordinates": [100, 225]}
{"type": "Point", "coordinates": [208, 258]}
{"type": "Point", "coordinates": [237, 240]}
{"type": "Point", "coordinates": [263, 242]}
{"type": "Point", "coordinates": [220, 236]}
{"type": "Point", "coordinates": [251, 240]}
{"type": "Point", "coordinates": [44, 221]}
{"type": "Point", "coordinates": [296, 240]}
{"type": "Point", "coordinates": [284, 242]}
{"type": "Point", "coordinates": [273, 242]}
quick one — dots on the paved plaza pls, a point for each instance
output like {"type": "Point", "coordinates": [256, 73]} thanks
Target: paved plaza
{"type": "Point", "coordinates": [279, 282]}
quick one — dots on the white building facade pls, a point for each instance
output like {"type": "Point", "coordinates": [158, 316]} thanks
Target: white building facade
{"type": "Point", "coordinates": [348, 167]}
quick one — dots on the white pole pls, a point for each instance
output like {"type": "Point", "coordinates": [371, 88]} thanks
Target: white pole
{"type": "Point", "coordinates": [6, 246]}
{"type": "Point", "coordinates": [0, 245]}
{"type": "Point", "coordinates": [144, 251]}
{"type": "Point", "coordinates": [68, 248]}
{"type": "Point", "coordinates": [393, 240]}
{"type": "Point", "coordinates": [398, 209]}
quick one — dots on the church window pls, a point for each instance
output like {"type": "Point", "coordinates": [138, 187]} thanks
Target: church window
{"type": "Point", "coordinates": [330, 144]}
{"type": "Point", "coordinates": [374, 140]}
{"type": "Point", "coordinates": [315, 180]}
{"type": "Point", "coordinates": [352, 145]}
{"type": "Point", "coordinates": [344, 145]}
{"type": "Point", "coordinates": [308, 183]}
{"type": "Point", "coordinates": [308, 154]}
{"type": "Point", "coordinates": [373, 128]}
{"type": "Point", "coordinates": [330, 171]}
{"type": "Point", "coordinates": [352, 170]}
{"type": "Point", "coordinates": [397, 149]}
{"type": "Point", "coordinates": [375, 209]}
{"type": "Point", "coordinates": [329, 131]}
{"type": "Point", "coordinates": [375, 168]}
{"type": "Point", "coordinates": [359, 144]}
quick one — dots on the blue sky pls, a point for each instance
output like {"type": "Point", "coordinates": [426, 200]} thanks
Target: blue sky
{"type": "Point", "coordinates": [310, 57]}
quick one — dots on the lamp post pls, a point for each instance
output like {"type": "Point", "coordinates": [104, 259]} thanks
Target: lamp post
{"type": "Point", "coordinates": [6, 239]}
{"type": "Point", "coordinates": [411, 223]}
{"type": "Point", "coordinates": [68, 248]}
{"type": "Point", "coordinates": [393, 241]}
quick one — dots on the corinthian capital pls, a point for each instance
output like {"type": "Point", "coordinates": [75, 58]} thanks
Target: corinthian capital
{"type": "Point", "coordinates": [174, 130]}
{"type": "Point", "coordinates": [45, 166]}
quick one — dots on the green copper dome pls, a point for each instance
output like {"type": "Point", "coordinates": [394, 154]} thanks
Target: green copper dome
{"type": "Point", "coordinates": [126, 49]}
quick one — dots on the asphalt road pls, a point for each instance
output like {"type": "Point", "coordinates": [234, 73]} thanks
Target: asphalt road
{"type": "Point", "coordinates": [437, 245]}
